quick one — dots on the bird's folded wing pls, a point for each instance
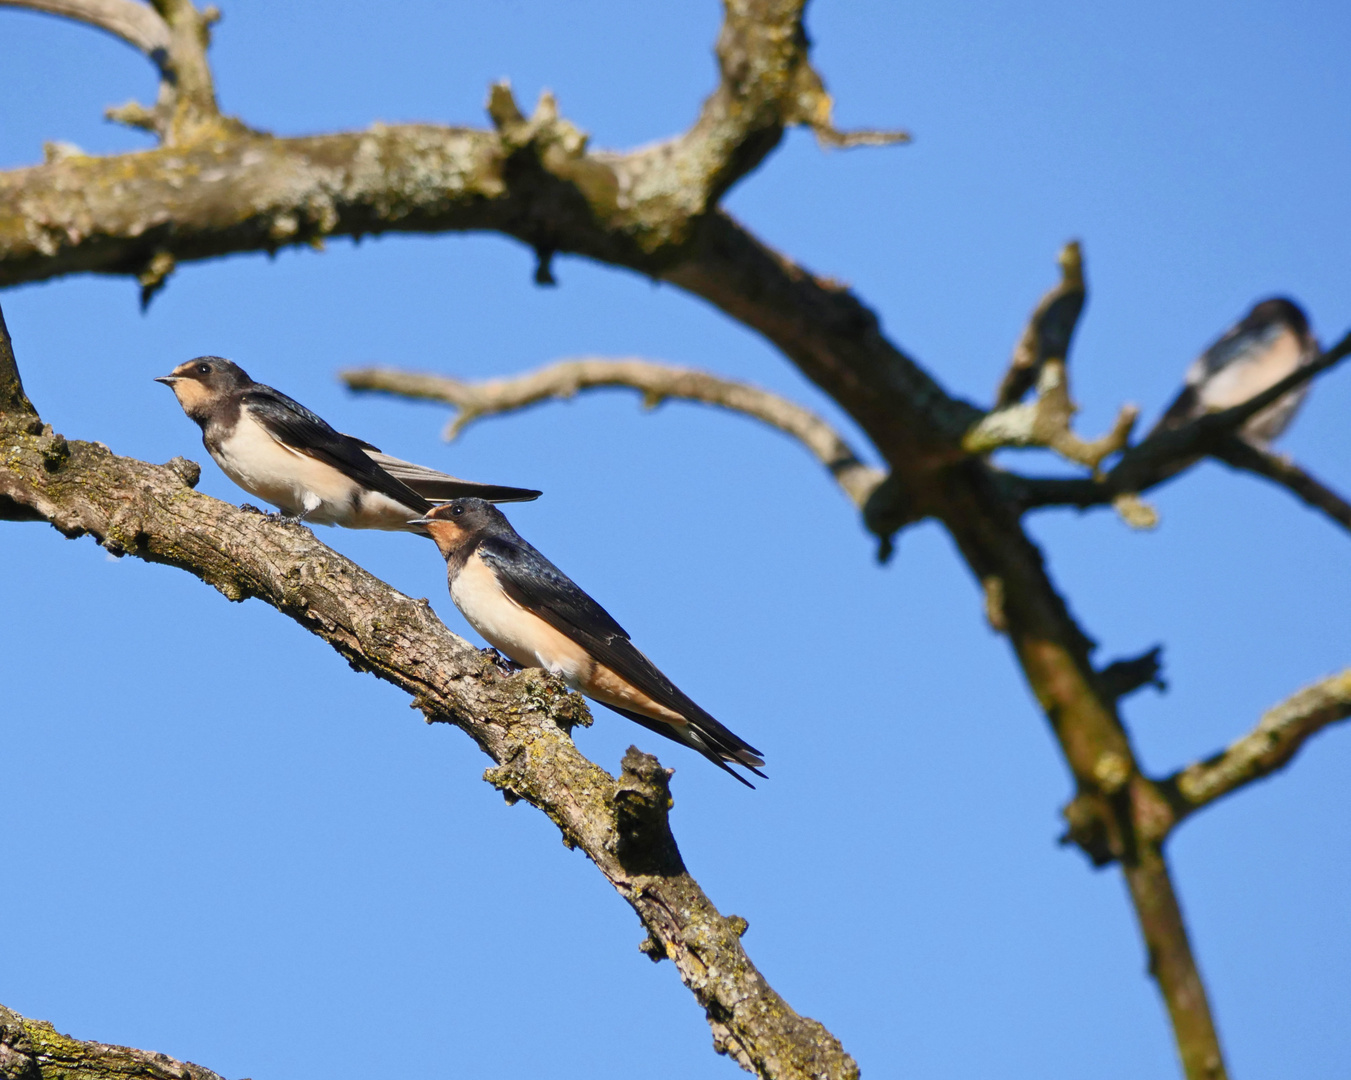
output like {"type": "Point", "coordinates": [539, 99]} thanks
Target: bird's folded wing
{"type": "Point", "coordinates": [440, 487]}
{"type": "Point", "coordinates": [534, 583]}
{"type": "Point", "coordinates": [295, 427]}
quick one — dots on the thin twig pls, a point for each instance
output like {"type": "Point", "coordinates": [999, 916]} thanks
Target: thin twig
{"type": "Point", "coordinates": [1278, 736]}
{"type": "Point", "coordinates": [656, 382]}
{"type": "Point", "coordinates": [1238, 453]}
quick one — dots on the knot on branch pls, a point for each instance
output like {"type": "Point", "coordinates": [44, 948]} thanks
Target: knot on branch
{"type": "Point", "coordinates": [154, 276]}
{"type": "Point", "coordinates": [548, 696]}
{"type": "Point", "coordinates": [54, 449]}
{"type": "Point", "coordinates": [642, 801]}
{"type": "Point", "coordinates": [188, 471]}
{"type": "Point", "coordinates": [544, 130]}
{"type": "Point", "coordinates": [1092, 827]}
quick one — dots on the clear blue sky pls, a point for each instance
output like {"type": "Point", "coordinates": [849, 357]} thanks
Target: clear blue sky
{"type": "Point", "coordinates": [223, 844]}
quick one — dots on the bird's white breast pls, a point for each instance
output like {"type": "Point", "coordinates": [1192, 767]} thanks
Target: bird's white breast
{"type": "Point", "coordinates": [1247, 375]}
{"type": "Point", "coordinates": [299, 484]}
{"type": "Point", "coordinates": [1236, 382]}
{"type": "Point", "coordinates": [513, 630]}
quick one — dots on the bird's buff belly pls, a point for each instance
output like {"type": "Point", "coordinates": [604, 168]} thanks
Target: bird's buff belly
{"type": "Point", "coordinates": [532, 642]}
{"type": "Point", "coordinates": [300, 485]}
{"type": "Point", "coordinates": [515, 632]}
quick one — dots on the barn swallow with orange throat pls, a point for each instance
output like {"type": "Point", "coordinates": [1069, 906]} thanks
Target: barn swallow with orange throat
{"type": "Point", "coordinates": [275, 448]}
{"type": "Point", "coordinates": [528, 609]}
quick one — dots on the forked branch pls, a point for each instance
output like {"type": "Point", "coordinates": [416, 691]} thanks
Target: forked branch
{"type": "Point", "coordinates": [138, 24]}
{"type": "Point", "coordinates": [174, 35]}
{"type": "Point", "coordinates": [1040, 360]}
{"type": "Point", "coordinates": [656, 382]}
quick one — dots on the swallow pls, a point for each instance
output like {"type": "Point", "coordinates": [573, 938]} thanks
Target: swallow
{"type": "Point", "coordinates": [532, 612]}
{"type": "Point", "coordinates": [1270, 342]}
{"type": "Point", "coordinates": [275, 448]}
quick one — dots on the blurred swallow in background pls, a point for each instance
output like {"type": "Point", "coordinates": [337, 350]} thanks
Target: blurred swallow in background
{"type": "Point", "coordinates": [275, 448]}
{"type": "Point", "coordinates": [531, 611]}
{"type": "Point", "coordinates": [1272, 341]}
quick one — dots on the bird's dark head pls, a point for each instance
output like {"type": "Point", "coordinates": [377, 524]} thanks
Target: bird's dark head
{"type": "Point", "coordinates": [1276, 310]}
{"type": "Point", "coordinates": [459, 522]}
{"type": "Point", "coordinates": [201, 384]}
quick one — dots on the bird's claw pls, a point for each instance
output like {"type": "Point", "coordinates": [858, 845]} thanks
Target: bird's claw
{"type": "Point", "coordinates": [505, 664]}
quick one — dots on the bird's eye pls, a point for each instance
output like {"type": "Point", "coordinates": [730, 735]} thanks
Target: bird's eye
{"type": "Point", "coordinates": [203, 369]}
{"type": "Point", "coordinates": [457, 510]}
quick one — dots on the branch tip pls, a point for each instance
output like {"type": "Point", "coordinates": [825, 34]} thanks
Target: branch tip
{"type": "Point", "coordinates": [1277, 738]}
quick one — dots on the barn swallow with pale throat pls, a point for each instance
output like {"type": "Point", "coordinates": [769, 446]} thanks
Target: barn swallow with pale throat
{"type": "Point", "coordinates": [1272, 341]}
{"type": "Point", "coordinates": [275, 448]}
{"type": "Point", "coordinates": [532, 612]}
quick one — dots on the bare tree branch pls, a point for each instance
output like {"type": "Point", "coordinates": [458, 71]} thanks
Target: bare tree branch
{"type": "Point", "coordinates": [522, 721]}
{"type": "Point", "coordinates": [35, 1050]}
{"type": "Point", "coordinates": [767, 84]}
{"type": "Point", "coordinates": [656, 382]}
{"type": "Point", "coordinates": [1277, 738]}
{"type": "Point", "coordinates": [1040, 360]}
{"type": "Point", "coordinates": [654, 211]}
{"type": "Point", "coordinates": [1121, 678]}
{"type": "Point", "coordinates": [135, 23]}
{"type": "Point", "coordinates": [1050, 329]}
{"type": "Point", "coordinates": [175, 36]}
{"type": "Point", "coordinates": [1238, 453]}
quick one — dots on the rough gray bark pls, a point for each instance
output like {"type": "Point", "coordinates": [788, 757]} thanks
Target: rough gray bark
{"type": "Point", "coordinates": [35, 1050]}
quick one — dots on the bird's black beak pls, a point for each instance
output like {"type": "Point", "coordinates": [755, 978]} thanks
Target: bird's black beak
{"type": "Point", "coordinates": [167, 380]}
{"type": "Point", "coordinates": [420, 521]}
